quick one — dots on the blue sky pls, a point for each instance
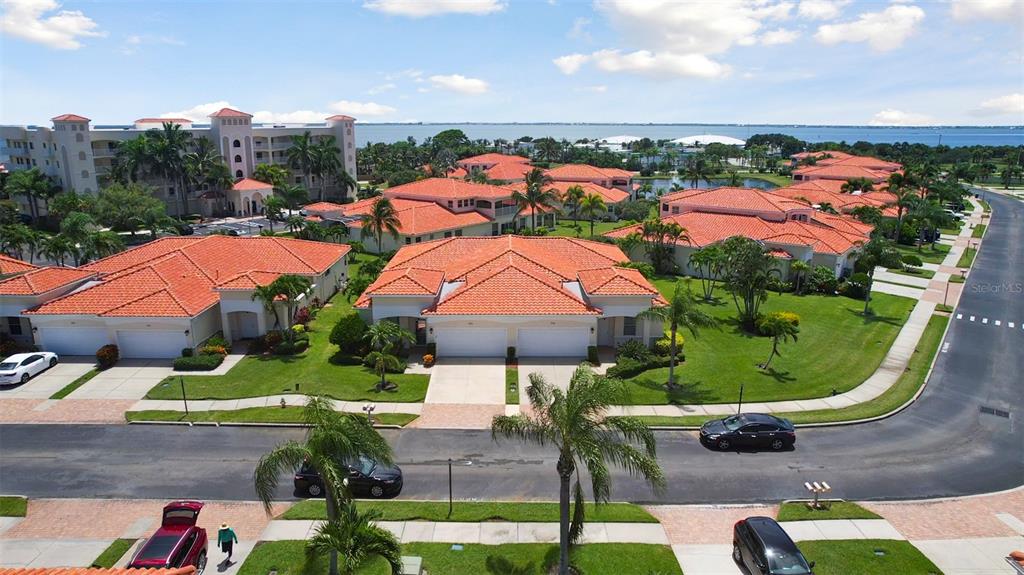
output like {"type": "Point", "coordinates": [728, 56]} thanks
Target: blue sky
{"type": "Point", "coordinates": [708, 61]}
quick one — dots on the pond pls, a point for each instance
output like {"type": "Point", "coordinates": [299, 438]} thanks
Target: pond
{"type": "Point", "coordinates": [666, 184]}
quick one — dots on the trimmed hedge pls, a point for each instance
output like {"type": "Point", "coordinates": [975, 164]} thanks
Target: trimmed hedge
{"type": "Point", "coordinates": [198, 362]}
{"type": "Point", "coordinates": [300, 345]}
{"type": "Point", "coordinates": [592, 356]}
{"type": "Point", "coordinates": [348, 333]}
{"type": "Point", "coordinates": [626, 367]}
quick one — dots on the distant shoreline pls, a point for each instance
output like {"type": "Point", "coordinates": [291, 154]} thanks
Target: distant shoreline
{"type": "Point", "coordinates": [659, 124]}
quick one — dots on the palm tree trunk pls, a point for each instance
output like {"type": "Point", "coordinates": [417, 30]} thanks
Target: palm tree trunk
{"type": "Point", "coordinates": [591, 225]}
{"type": "Point", "coordinates": [867, 296]}
{"type": "Point", "coordinates": [672, 356]}
{"type": "Point", "coordinates": [775, 348]}
{"type": "Point", "coordinates": [332, 515]}
{"type": "Point", "coordinates": [564, 476]}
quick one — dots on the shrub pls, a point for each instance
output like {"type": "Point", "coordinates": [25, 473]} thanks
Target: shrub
{"type": "Point", "coordinates": [592, 356]}
{"type": "Point", "coordinates": [348, 333]}
{"type": "Point", "coordinates": [646, 269]}
{"type": "Point", "coordinates": [187, 352]}
{"type": "Point", "coordinates": [402, 366]}
{"type": "Point", "coordinates": [510, 353]}
{"type": "Point", "coordinates": [107, 356]}
{"type": "Point", "coordinates": [912, 261]}
{"type": "Point", "coordinates": [821, 280]}
{"type": "Point", "coordinates": [428, 359]}
{"type": "Point", "coordinates": [212, 350]}
{"type": "Point", "coordinates": [785, 315]}
{"type": "Point", "coordinates": [779, 285]}
{"type": "Point", "coordinates": [271, 339]}
{"type": "Point", "coordinates": [218, 340]}
{"type": "Point", "coordinates": [198, 362]}
{"type": "Point", "coordinates": [663, 346]}
{"type": "Point", "coordinates": [303, 316]}
{"type": "Point", "coordinates": [298, 328]}
{"type": "Point", "coordinates": [291, 348]}
{"type": "Point", "coordinates": [633, 349]}
{"type": "Point", "coordinates": [857, 286]}
{"type": "Point", "coordinates": [631, 367]}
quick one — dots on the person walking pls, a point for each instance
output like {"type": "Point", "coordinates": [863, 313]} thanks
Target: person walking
{"type": "Point", "coordinates": [226, 539]}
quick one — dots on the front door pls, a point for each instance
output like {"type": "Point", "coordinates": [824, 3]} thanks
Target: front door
{"type": "Point", "coordinates": [421, 332]}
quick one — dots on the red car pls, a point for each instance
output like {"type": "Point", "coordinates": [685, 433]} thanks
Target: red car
{"type": "Point", "coordinates": [178, 542]}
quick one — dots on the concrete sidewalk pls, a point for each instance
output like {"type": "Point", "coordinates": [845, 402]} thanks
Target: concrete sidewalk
{"type": "Point", "coordinates": [291, 399]}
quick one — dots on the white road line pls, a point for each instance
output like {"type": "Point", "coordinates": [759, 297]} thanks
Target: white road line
{"type": "Point", "coordinates": [998, 323]}
{"type": "Point", "coordinates": [959, 316]}
{"type": "Point", "coordinates": [984, 320]}
{"type": "Point", "coordinates": [1010, 324]}
{"type": "Point", "coordinates": [972, 318]}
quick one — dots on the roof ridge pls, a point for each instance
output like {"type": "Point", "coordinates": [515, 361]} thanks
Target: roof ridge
{"type": "Point", "coordinates": [511, 267]}
{"type": "Point", "coordinates": [140, 298]}
{"type": "Point", "coordinates": [77, 292]}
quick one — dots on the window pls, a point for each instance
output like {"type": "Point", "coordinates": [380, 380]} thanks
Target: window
{"type": "Point", "coordinates": [31, 146]}
{"type": "Point", "coordinates": [449, 203]}
{"type": "Point", "coordinates": [14, 325]}
{"type": "Point", "coordinates": [81, 156]}
{"type": "Point", "coordinates": [408, 240]}
{"type": "Point", "coordinates": [664, 207]}
{"type": "Point", "coordinates": [238, 173]}
{"type": "Point", "coordinates": [236, 144]}
{"type": "Point", "coordinates": [298, 179]}
{"type": "Point", "coordinates": [495, 230]}
{"type": "Point", "coordinates": [170, 191]}
{"type": "Point", "coordinates": [629, 326]}
{"type": "Point", "coordinates": [447, 234]}
{"type": "Point", "coordinates": [458, 233]}
{"type": "Point", "coordinates": [418, 239]}
{"type": "Point", "coordinates": [85, 173]}
{"type": "Point", "coordinates": [259, 155]}
{"type": "Point", "coordinates": [79, 137]}
{"type": "Point", "coordinates": [238, 158]}
{"type": "Point", "coordinates": [675, 209]}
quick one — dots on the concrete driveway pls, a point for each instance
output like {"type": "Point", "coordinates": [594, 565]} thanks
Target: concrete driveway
{"type": "Point", "coordinates": [52, 380]}
{"type": "Point", "coordinates": [556, 371]}
{"type": "Point", "coordinates": [467, 380]}
{"type": "Point", "coordinates": [129, 379]}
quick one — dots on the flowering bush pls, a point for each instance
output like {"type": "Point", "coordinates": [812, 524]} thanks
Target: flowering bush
{"type": "Point", "coordinates": [107, 356]}
{"type": "Point", "coordinates": [303, 316]}
{"type": "Point", "coordinates": [299, 328]}
{"type": "Point", "coordinates": [428, 360]}
{"type": "Point", "coordinates": [213, 350]}
{"type": "Point", "coordinates": [787, 316]}
{"type": "Point", "coordinates": [271, 339]}
{"type": "Point", "coordinates": [663, 346]}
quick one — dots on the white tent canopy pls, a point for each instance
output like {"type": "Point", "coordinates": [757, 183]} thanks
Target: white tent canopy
{"type": "Point", "coordinates": [620, 140]}
{"type": "Point", "coordinates": [706, 139]}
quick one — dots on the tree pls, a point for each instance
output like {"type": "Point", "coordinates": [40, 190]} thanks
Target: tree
{"type": "Point", "coordinates": [382, 218]}
{"type": "Point", "coordinates": [799, 269]}
{"type": "Point", "coordinates": [156, 220]}
{"type": "Point", "coordinates": [680, 312]}
{"type": "Point", "coordinates": [132, 160]}
{"type": "Point", "coordinates": [294, 195]}
{"type": "Point", "coordinates": [591, 206]}
{"type": "Point", "coordinates": [331, 439]}
{"type": "Point", "coordinates": [537, 195]}
{"type": "Point", "coordinates": [286, 288]}
{"type": "Point", "coordinates": [867, 214]}
{"type": "Point", "coordinates": [574, 423]}
{"type": "Point", "coordinates": [59, 248]}
{"type": "Point", "coordinates": [877, 252]}
{"type": "Point", "coordinates": [77, 227]}
{"type": "Point", "coordinates": [708, 261]}
{"type": "Point", "coordinates": [16, 239]}
{"type": "Point", "coordinates": [271, 174]}
{"type": "Point", "coordinates": [781, 329]}
{"type": "Point", "coordinates": [747, 269]}
{"type": "Point", "coordinates": [857, 185]}
{"type": "Point", "coordinates": [929, 215]}
{"type": "Point", "coordinates": [99, 245]}
{"type": "Point", "coordinates": [658, 237]}
{"type": "Point", "coordinates": [121, 206]}
{"type": "Point", "coordinates": [166, 148]}
{"type": "Point", "coordinates": [354, 539]}
{"type": "Point", "coordinates": [33, 184]}
{"type": "Point", "coordinates": [302, 155]}
{"type": "Point", "coordinates": [274, 207]}
{"type": "Point", "coordinates": [381, 361]}
{"type": "Point", "coordinates": [697, 169]}
{"type": "Point", "coordinates": [574, 194]}
{"type": "Point", "coordinates": [387, 335]}
{"type": "Point", "coordinates": [199, 164]}
{"type": "Point", "coordinates": [326, 163]}
{"type": "Point", "coordinates": [71, 201]}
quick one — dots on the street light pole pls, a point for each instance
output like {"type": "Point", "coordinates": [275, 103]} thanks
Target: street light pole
{"type": "Point", "coordinates": [739, 408]}
{"type": "Point", "coordinates": [449, 487]}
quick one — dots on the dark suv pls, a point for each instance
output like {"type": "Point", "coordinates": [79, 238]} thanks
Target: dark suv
{"type": "Point", "coordinates": [365, 477]}
{"type": "Point", "coordinates": [762, 547]}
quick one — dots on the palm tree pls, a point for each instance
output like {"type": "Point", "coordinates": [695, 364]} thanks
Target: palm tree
{"type": "Point", "coordinates": [293, 194]}
{"type": "Point", "coordinates": [929, 215]}
{"type": "Point", "coordinates": [354, 539]}
{"type": "Point", "coordinates": [295, 223]}
{"type": "Point", "coordinates": [286, 288]}
{"type": "Point", "coordinates": [798, 268]}
{"type": "Point", "coordinates": [302, 155]}
{"type": "Point", "coordinates": [58, 248]}
{"type": "Point", "coordinates": [572, 197]}
{"type": "Point", "coordinates": [274, 207]}
{"type": "Point", "coordinates": [386, 335]}
{"type": "Point", "coordinates": [270, 174]}
{"type": "Point", "coordinates": [592, 205]}
{"type": "Point", "coordinates": [905, 200]}
{"type": "Point", "coordinates": [574, 422]}
{"type": "Point", "coordinates": [166, 148]}
{"type": "Point", "coordinates": [99, 245]}
{"type": "Point", "coordinates": [33, 184]}
{"type": "Point", "coordinates": [877, 252]}
{"type": "Point", "coordinates": [132, 159]}
{"type": "Point", "coordinates": [326, 163]}
{"type": "Point", "coordinates": [382, 218]}
{"type": "Point", "coordinates": [381, 361]}
{"type": "Point", "coordinates": [348, 183]}
{"type": "Point", "coordinates": [781, 329]}
{"type": "Point", "coordinates": [155, 220]}
{"type": "Point", "coordinates": [77, 227]}
{"type": "Point", "coordinates": [854, 185]}
{"type": "Point", "coordinates": [536, 196]}
{"type": "Point", "coordinates": [680, 312]}
{"type": "Point", "coordinates": [331, 438]}
{"type": "Point", "coordinates": [200, 163]}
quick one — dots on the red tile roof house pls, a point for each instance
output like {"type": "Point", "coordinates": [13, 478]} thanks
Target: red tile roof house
{"type": "Point", "coordinates": [25, 285]}
{"type": "Point", "coordinates": [604, 177]}
{"type": "Point", "coordinates": [791, 228]}
{"type": "Point", "coordinates": [818, 192]}
{"type": "Point", "coordinates": [437, 208]}
{"type": "Point", "coordinates": [501, 167]}
{"type": "Point", "coordinates": [545, 296]}
{"type": "Point", "coordinates": [841, 166]}
{"type": "Point", "coordinates": [173, 293]}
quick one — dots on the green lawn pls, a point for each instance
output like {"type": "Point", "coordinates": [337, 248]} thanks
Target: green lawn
{"type": "Point", "coordinates": [564, 227]}
{"type": "Point", "coordinates": [290, 414]}
{"type": "Point", "coordinates": [13, 506]}
{"type": "Point", "coordinates": [867, 557]}
{"type": "Point", "coordinates": [288, 558]}
{"type": "Point", "coordinates": [967, 257]}
{"type": "Point", "coordinates": [781, 181]}
{"type": "Point", "coordinates": [115, 551]}
{"type": "Point", "coordinates": [930, 254]}
{"type": "Point", "coordinates": [956, 279]}
{"type": "Point", "coordinates": [984, 206]}
{"type": "Point", "coordinates": [906, 386]}
{"type": "Point", "coordinates": [915, 272]}
{"type": "Point", "coordinates": [312, 372]}
{"type": "Point", "coordinates": [67, 389]}
{"type": "Point", "coordinates": [799, 511]}
{"type": "Point", "coordinates": [978, 231]}
{"type": "Point", "coordinates": [477, 511]}
{"type": "Point", "coordinates": [511, 386]}
{"type": "Point", "coordinates": [837, 348]}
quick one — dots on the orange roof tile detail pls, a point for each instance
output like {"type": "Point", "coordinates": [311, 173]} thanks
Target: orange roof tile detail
{"type": "Point", "coordinates": [95, 571]}
{"type": "Point", "coordinates": [840, 171]}
{"type": "Point", "coordinates": [586, 172]}
{"type": "Point", "coordinates": [609, 195]}
{"type": "Point", "coordinates": [509, 171]}
{"type": "Point", "coordinates": [615, 281]}
{"type": "Point", "coordinates": [42, 280]}
{"type": "Point", "coordinates": [70, 118]}
{"type": "Point", "coordinates": [326, 207]}
{"type": "Point", "coordinates": [420, 217]}
{"type": "Point", "coordinates": [341, 118]}
{"type": "Point", "coordinates": [178, 276]}
{"type": "Point", "coordinates": [248, 280]}
{"type": "Point", "coordinates": [9, 265]}
{"type": "Point", "coordinates": [250, 184]}
{"type": "Point", "coordinates": [407, 281]}
{"type": "Point", "coordinates": [229, 113]}
{"type": "Point", "coordinates": [733, 199]}
{"type": "Point", "coordinates": [447, 188]}
{"type": "Point", "coordinates": [511, 291]}
{"type": "Point", "coordinates": [492, 158]}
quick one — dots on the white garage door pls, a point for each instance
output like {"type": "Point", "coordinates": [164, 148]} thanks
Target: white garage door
{"type": "Point", "coordinates": [72, 340]}
{"type": "Point", "coordinates": [471, 342]}
{"type": "Point", "coordinates": [553, 342]}
{"type": "Point", "coordinates": [151, 344]}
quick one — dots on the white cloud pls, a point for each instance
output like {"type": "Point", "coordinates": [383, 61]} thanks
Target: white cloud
{"type": "Point", "coordinates": [571, 63]}
{"type": "Point", "coordinates": [779, 36]}
{"type": "Point", "coordinates": [1010, 104]}
{"type": "Point", "coordinates": [296, 117]}
{"type": "Point", "coordinates": [381, 88]}
{"type": "Point", "coordinates": [459, 83]}
{"type": "Point", "coordinates": [200, 112]}
{"type": "Point", "coordinates": [361, 108]}
{"type": "Point", "coordinates": [659, 63]}
{"type": "Point", "coordinates": [891, 117]}
{"type": "Point", "coordinates": [598, 89]}
{"type": "Point", "coordinates": [424, 8]}
{"type": "Point", "coordinates": [134, 41]}
{"type": "Point", "coordinates": [26, 19]}
{"type": "Point", "coordinates": [883, 31]}
{"type": "Point", "coordinates": [821, 9]}
{"type": "Point", "coordinates": [1011, 11]}
{"type": "Point", "coordinates": [579, 29]}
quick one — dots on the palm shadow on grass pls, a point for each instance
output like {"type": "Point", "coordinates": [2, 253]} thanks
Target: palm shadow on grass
{"type": "Point", "coordinates": [684, 391]}
{"type": "Point", "coordinates": [872, 318]}
{"type": "Point", "coordinates": [778, 376]}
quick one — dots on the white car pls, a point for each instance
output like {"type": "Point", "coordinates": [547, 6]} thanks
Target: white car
{"type": "Point", "coordinates": [21, 367]}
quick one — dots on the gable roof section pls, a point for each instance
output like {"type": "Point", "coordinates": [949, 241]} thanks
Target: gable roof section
{"type": "Point", "coordinates": [340, 118]}
{"type": "Point", "coordinates": [509, 171]}
{"type": "Point", "coordinates": [42, 280]}
{"type": "Point", "coordinates": [229, 113]}
{"type": "Point", "coordinates": [9, 265]}
{"type": "Point", "coordinates": [328, 207]}
{"type": "Point", "coordinates": [615, 281]}
{"type": "Point", "coordinates": [70, 118]}
{"type": "Point", "coordinates": [250, 184]}
{"type": "Point", "coordinates": [447, 188]}
{"type": "Point", "coordinates": [841, 171]}
{"type": "Point", "coordinates": [492, 158]}
{"type": "Point", "coordinates": [408, 281]}
{"type": "Point", "coordinates": [418, 217]}
{"type": "Point", "coordinates": [734, 199]}
{"type": "Point", "coordinates": [511, 291]}
{"type": "Point", "coordinates": [586, 171]}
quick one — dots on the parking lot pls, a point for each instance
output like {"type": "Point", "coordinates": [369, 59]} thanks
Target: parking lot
{"type": "Point", "coordinates": [240, 227]}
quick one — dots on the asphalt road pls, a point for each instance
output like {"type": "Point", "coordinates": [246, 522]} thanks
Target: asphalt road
{"type": "Point", "coordinates": [943, 445]}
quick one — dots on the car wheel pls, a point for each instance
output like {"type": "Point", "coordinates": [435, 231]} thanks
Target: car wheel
{"type": "Point", "coordinates": [377, 491]}
{"type": "Point", "coordinates": [314, 490]}
{"type": "Point", "coordinates": [53, 361]}
{"type": "Point", "coordinates": [24, 378]}
{"type": "Point", "coordinates": [724, 444]}
{"type": "Point", "coordinates": [736, 555]}
{"type": "Point", "coordinates": [778, 444]}
{"type": "Point", "coordinates": [201, 563]}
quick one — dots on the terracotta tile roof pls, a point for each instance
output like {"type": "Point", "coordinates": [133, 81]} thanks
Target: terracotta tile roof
{"type": "Point", "coordinates": [250, 184]}
{"type": "Point", "coordinates": [861, 161]}
{"type": "Point", "coordinates": [42, 280]}
{"type": "Point", "coordinates": [509, 171]}
{"type": "Point", "coordinates": [9, 265]}
{"type": "Point", "coordinates": [447, 188]}
{"type": "Point", "coordinates": [516, 275]}
{"type": "Point", "coordinates": [781, 254]}
{"type": "Point", "coordinates": [811, 192]}
{"type": "Point", "coordinates": [70, 118]}
{"type": "Point", "coordinates": [840, 172]}
{"type": "Point", "coordinates": [820, 154]}
{"type": "Point", "coordinates": [229, 113]}
{"type": "Point", "coordinates": [162, 120]}
{"type": "Point", "coordinates": [492, 158]}
{"type": "Point", "coordinates": [419, 217]}
{"type": "Point", "coordinates": [586, 172]}
{"type": "Point", "coordinates": [248, 280]}
{"type": "Point", "coordinates": [179, 276]}
{"type": "Point", "coordinates": [95, 571]}
{"type": "Point", "coordinates": [341, 118]}
{"type": "Point", "coordinates": [733, 199]}
{"type": "Point", "coordinates": [326, 207]}
{"type": "Point", "coordinates": [407, 281]}
{"type": "Point", "coordinates": [610, 195]}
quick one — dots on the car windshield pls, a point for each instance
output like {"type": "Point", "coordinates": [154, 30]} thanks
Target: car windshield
{"type": "Point", "coordinates": [735, 422]}
{"type": "Point", "coordinates": [158, 547]}
{"type": "Point", "coordinates": [7, 365]}
{"type": "Point", "coordinates": [782, 563]}
{"type": "Point", "coordinates": [364, 465]}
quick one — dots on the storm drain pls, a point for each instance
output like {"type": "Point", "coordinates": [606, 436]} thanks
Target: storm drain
{"type": "Point", "coordinates": [996, 412]}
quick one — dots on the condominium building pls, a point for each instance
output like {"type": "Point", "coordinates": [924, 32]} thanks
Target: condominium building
{"type": "Point", "coordinates": [80, 155]}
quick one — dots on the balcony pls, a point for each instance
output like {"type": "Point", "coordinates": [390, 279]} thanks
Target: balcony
{"type": "Point", "coordinates": [506, 211]}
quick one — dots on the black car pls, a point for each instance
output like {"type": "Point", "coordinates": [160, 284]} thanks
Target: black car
{"type": "Point", "coordinates": [748, 430]}
{"type": "Point", "coordinates": [762, 547]}
{"type": "Point", "coordinates": [365, 477]}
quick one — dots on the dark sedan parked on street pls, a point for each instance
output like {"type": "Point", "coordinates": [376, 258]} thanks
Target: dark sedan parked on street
{"type": "Point", "coordinates": [365, 477]}
{"type": "Point", "coordinates": [748, 430]}
{"type": "Point", "coordinates": [762, 547]}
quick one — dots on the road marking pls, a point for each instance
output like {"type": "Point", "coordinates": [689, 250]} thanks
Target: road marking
{"type": "Point", "coordinates": [945, 347]}
{"type": "Point", "coordinates": [984, 320]}
{"type": "Point", "coordinates": [998, 323]}
{"type": "Point", "coordinates": [972, 318]}
{"type": "Point", "coordinates": [959, 316]}
{"type": "Point", "coordinates": [1010, 324]}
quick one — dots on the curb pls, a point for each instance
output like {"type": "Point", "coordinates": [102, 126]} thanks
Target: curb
{"type": "Point", "coordinates": [242, 424]}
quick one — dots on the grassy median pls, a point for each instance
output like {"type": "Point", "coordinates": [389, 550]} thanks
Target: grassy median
{"type": "Point", "coordinates": [799, 511]}
{"type": "Point", "coordinates": [67, 389]}
{"type": "Point", "coordinates": [13, 506]}
{"type": "Point", "coordinates": [477, 511]}
{"type": "Point", "coordinates": [291, 414]}
{"type": "Point", "coordinates": [114, 552]}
